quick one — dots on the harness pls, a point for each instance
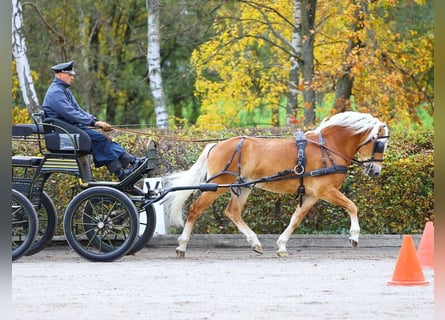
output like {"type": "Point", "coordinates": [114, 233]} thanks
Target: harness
{"type": "Point", "coordinates": [298, 172]}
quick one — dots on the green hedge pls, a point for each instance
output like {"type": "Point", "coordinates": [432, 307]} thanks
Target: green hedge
{"type": "Point", "coordinates": [398, 201]}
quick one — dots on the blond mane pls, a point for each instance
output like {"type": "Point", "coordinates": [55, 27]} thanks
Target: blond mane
{"type": "Point", "coordinates": [356, 122]}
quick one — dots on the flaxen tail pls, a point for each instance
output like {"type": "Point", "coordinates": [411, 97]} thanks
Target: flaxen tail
{"type": "Point", "coordinates": [174, 201]}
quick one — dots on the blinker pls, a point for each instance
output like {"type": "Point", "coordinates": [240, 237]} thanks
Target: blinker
{"type": "Point", "coordinates": [379, 146]}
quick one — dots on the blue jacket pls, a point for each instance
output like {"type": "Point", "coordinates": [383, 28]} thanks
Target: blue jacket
{"type": "Point", "coordinates": [60, 103]}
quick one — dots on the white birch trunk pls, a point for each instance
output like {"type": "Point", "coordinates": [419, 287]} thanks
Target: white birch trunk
{"type": "Point", "coordinates": [154, 64]}
{"type": "Point", "coordinates": [19, 52]}
{"type": "Point", "coordinates": [294, 72]}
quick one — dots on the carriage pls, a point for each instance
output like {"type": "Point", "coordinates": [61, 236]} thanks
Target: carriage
{"type": "Point", "coordinates": [103, 222]}
{"type": "Point", "coordinates": [107, 220]}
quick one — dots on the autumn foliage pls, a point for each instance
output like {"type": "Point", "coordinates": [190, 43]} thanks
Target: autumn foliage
{"type": "Point", "coordinates": [245, 68]}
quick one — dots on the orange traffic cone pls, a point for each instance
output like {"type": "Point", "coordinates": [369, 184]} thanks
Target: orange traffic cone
{"type": "Point", "coordinates": [425, 251]}
{"type": "Point", "coordinates": [408, 271]}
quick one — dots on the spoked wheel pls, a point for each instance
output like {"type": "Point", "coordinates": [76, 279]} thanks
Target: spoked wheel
{"type": "Point", "coordinates": [147, 223]}
{"type": "Point", "coordinates": [47, 215]}
{"type": "Point", "coordinates": [24, 224]}
{"type": "Point", "coordinates": [101, 224]}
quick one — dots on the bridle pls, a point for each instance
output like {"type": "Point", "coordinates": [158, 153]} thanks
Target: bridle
{"type": "Point", "coordinates": [379, 147]}
{"type": "Point", "coordinates": [380, 143]}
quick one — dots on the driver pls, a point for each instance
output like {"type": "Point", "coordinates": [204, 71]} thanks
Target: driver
{"type": "Point", "coordinates": [59, 102]}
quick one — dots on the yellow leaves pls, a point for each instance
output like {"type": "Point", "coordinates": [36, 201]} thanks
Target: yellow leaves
{"type": "Point", "coordinates": [20, 115]}
{"type": "Point", "coordinates": [238, 71]}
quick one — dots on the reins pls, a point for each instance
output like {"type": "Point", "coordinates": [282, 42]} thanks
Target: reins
{"type": "Point", "coordinates": [170, 137]}
{"type": "Point", "coordinates": [352, 160]}
{"type": "Point", "coordinates": [361, 163]}
{"type": "Point", "coordinates": [174, 138]}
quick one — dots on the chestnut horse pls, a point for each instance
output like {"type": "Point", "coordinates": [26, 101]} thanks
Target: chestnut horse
{"type": "Point", "coordinates": [312, 166]}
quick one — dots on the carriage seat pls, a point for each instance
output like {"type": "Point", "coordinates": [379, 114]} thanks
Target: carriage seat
{"type": "Point", "coordinates": [63, 137]}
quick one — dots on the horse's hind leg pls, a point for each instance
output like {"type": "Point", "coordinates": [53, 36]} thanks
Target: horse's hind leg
{"type": "Point", "coordinates": [195, 211]}
{"type": "Point", "coordinates": [337, 198]}
{"type": "Point", "coordinates": [233, 211]}
{"type": "Point", "coordinates": [295, 220]}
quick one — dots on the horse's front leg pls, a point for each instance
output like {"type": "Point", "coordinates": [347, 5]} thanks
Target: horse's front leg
{"type": "Point", "coordinates": [295, 220]}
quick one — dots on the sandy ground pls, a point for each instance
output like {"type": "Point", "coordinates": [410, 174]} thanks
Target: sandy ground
{"type": "Point", "coordinates": [218, 283]}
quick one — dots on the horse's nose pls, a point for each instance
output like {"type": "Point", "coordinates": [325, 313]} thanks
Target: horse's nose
{"type": "Point", "coordinates": [374, 172]}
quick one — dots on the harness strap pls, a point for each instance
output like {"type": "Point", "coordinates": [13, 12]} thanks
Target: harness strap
{"type": "Point", "coordinates": [300, 140]}
{"type": "Point", "coordinates": [322, 149]}
{"type": "Point", "coordinates": [235, 189]}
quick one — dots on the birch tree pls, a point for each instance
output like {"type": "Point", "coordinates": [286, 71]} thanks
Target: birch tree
{"type": "Point", "coordinates": [22, 64]}
{"type": "Point", "coordinates": [294, 74]}
{"type": "Point", "coordinates": [154, 63]}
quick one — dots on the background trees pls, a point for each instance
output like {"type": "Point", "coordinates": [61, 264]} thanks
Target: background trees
{"type": "Point", "coordinates": [239, 63]}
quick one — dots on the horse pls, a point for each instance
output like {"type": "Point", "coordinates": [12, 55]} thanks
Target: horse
{"type": "Point", "coordinates": [312, 165]}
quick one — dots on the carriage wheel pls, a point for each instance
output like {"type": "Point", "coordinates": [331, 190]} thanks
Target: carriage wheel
{"type": "Point", "coordinates": [24, 224]}
{"type": "Point", "coordinates": [47, 215]}
{"type": "Point", "coordinates": [101, 224]}
{"type": "Point", "coordinates": [147, 223]}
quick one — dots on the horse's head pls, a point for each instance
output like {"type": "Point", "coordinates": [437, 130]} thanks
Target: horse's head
{"type": "Point", "coordinates": [373, 150]}
{"type": "Point", "coordinates": [370, 145]}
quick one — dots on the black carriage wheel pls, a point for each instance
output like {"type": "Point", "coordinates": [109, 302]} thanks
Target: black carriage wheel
{"type": "Point", "coordinates": [24, 224]}
{"type": "Point", "coordinates": [47, 214]}
{"type": "Point", "coordinates": [147, 223]}
{"type": "Point", "coordinates": [101, 224]}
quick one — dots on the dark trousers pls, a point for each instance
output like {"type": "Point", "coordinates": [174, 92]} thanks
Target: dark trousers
{"type": "Point", "coordinates": [106, 152]}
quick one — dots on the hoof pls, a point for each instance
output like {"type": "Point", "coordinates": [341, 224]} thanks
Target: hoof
{"type": "Point", "coordinates": [353, 243]}
{"type": "Point", "coordinates": [258, 249]}
{"type": "Point", "coordinates": [284, 254]}
{"type": "Point", "coordinates": [180, 254]}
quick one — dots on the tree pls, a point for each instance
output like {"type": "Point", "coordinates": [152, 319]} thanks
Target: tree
{"type": "Point", "coordinates": [390, 67]}
{"type": "Point", "coordinates": [345, 79]}
{"type": "Point", "coordinates": [154, 64]}
{"type": "Point", "coordinates": [308, 61]}
{"type": "Point", "coordinates": [19, 51]}
{"type": "Point", "coordinates": [244, 71]}
{"type": "Point", "coordinates": [278, 41]}
{"type": "Point", "coordinates": [294, 72]}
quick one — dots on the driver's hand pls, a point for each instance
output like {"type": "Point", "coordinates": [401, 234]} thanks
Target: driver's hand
{"type": "Point", "coordinates": [103, 125]}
